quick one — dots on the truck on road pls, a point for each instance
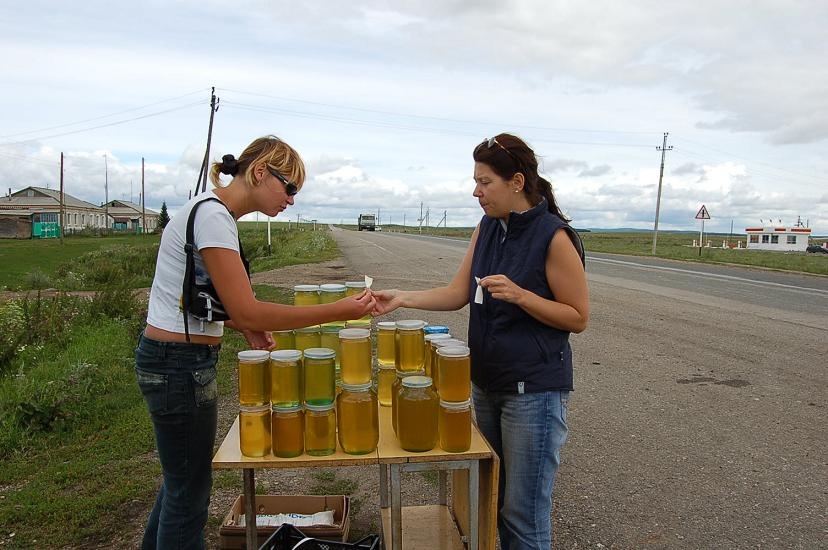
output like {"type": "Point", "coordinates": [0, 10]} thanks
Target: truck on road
{"type": "Point", "coordinates": [367, 222]}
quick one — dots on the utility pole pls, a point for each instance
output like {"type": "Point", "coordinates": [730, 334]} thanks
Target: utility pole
{"type": "Point", "coordinates": [106, 191]}
{"type": "Point", "coordinates": [663, 150]}
{"type": "Point", "coordinates": [205, 164]}
{"type": "Point", "coordinates": [61, 199]}
{"type": "Point", "coordinates": [420, 219]}
{"type": "Point", "coordinates": [143, 197]}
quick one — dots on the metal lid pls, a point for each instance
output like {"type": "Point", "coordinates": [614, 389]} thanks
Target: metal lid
{"type": "Point", "coordinates": [357, 387]}
{"type": "Point", "coordinates": [332, 287]}
{"type": "Point", "coordinates": [286, 355]}
{"type": "Point", "coordinates": [410, 373]}
{"type": "Point", "coordinates": [386, 325]}
{"type": "Point", "coordinates": [253, 355]}
{"type": "Point", "coordinates": [456, 405]}
{"type": "Point", "coordinates": [319, 353]}
{"type": "Point", "coordinates": [354, 333]}
{"type": "Point", "coordinates": [437, 336]}
{"type": "Point", "coordinates": [288, 409]}
{"type": "Point", "coordinates": [386, 366]}
{"type": "Point", "coordinates": [255, 408]}
{"type": "Point", "coordinates": [411, 324]}
{"type": "Point", "coordinates": [447, 342]}
{"type": "Point", "coordinates": [319, 408]}
{"type": "Point", "coordinates": [306, 288]}
{"type": "Point", "coordinates": [416, 382]}
{"type": "Point", "coordinates": [453, 351]}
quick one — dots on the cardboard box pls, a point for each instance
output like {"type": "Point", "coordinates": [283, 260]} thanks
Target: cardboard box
{"type": "Point", "coordinates": [232, 536]}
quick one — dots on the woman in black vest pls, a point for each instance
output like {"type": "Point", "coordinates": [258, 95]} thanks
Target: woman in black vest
{"type": "Point", "coordinates": [530, 266]}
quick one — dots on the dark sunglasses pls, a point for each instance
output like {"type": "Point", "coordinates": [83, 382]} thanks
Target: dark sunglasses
{"type": "Point", "coordinates": [290, 187]}
{"type": "Point", "coordinates": [492, 141]}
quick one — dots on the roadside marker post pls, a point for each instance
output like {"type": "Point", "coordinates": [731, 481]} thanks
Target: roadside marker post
{"type": "Point", "coordinates": [702, 215]}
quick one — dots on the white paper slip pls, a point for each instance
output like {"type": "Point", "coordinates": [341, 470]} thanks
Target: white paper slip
{"type": "Point", "coordinates": [478, 294]}
{"type": "Point", "coordinates": [299, 520]}
{"type": "Point", "coordinates": [368, 281]}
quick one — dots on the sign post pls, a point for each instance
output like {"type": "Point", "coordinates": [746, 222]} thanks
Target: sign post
{"type": "Point", "coordinates": [702, 215]}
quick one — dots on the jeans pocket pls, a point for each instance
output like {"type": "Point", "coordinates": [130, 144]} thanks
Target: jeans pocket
{"type": "Point", "coordinates": [205, 386]}
{"type": "Point", "coordinates": [154, 388]}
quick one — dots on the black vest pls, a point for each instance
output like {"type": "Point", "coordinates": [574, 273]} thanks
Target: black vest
{"type": "Point", "coordinates": [510, 350]}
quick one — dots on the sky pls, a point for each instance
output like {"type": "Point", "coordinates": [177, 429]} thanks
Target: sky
{"type": "Point", "coordinates": [385, 102]}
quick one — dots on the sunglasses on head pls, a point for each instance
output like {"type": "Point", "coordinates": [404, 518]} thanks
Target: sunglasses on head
{"type": "Point", "coordinates": [290, 187]}
{"type": "Point", "coordinates": [492, 141]}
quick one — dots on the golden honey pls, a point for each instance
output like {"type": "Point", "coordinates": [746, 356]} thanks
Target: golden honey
{"type": "Point", "coordinates": [386, 332]}
{"type": "Point", "coordinates": [410, 345]}
{"type": "Point", "coordinates": [287, 431]}
{"type": "Point", "coordinates": [308, 337]}
{"type": "Point", "coordinates": [395, 392]}
{"type": "Point", "coordinates": [353, 288]}
{"type": "Point", "coordinates": [320, 429]}
{"type": "Point", "coordinates": [286, 377]}
{"type": "Point", "coordinates": [306, 295]}
{"type": "Point", "coordinates": [283, 339]}
{"type": "Point", "coordinates": [355, 362]}
{"type": "Point", "coordinates": [435, 345]}
{"type": "Point", "coordinates": [454, 425]}
{"type": "Point", "coordinates": [386, 375]}
{"type": "Point", "coordinates": [357, 419]}
{"type": "Point", "coordinates": [429, 338]}
{"type": "Point", "coordinates": [254, 431]}
{"type": "Point", "coordinates": [454, 373]}
{"type": "Point", "coordinates": [418, 409]}
{"type": "Point", "coordinates": [254, 378]}
{"type": "Point", "coordinates": [328, 294]}
{"type": "Point", "coordinates": [329, 338]}
{"type": "Point", "coordinates": [319, 376]}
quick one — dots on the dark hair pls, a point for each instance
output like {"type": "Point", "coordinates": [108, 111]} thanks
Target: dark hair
{"type": "Point", "coordinates": [507, 155]}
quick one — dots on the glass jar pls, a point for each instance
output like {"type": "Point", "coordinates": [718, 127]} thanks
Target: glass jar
{"type": "Point", "coordinates": [319, 376]}
{"type": "Point", "coordinates": [386, 331]}
{"type": "Point", "coordinates": [328, 294]}
{"type": "Point", "coordinates": [429, 338]}
{"type": "Point", "coordinates": [254, 378]}
{"type": "Point", "coordinates": [355, 344]}
{"type": "Point", "coordinates": [418, 408]}
{"type": "Point", "coordinates": [410, 344]}
{"type": "Point", "coordinates": [306, 295]}
{"type": "Point", "coordinates": [357, 419]}
{"type": "Point", "coordinates": [283, 339]}
{"type": "Point", "coordinates": [308, 337]}
{"type": "Point", "coordinates": [435, 345]}
{"type": "Point", "coordinates": [329, 338]}
{"type": "Point", "coordinates": [395, 391]}
{"type": "Point", "coordinates": [454, 373]}
{"type": "Point", "coordinates": [386, 376]}
{"type": "Point", "coordinates": [288, 431]}
{"type": "Point", "coordinates": [254, 431]}
{"type": "Point", "coordinates": [320, 429]}
{"type": "Point", "coordinates": [286, 377]}
{"type": "Point", "coordinates": [454, 425]}
{"type": "Point", "coordinates": [353, 288]}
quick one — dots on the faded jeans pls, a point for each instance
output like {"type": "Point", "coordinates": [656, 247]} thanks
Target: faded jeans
{"type": "Point", "coordinates": [179, 386]}
{"type": "Point", "coordinates": [527, 431]}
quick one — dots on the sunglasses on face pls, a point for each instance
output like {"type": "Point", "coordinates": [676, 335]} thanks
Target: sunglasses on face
{"type": "Point", "coordinates": [492, 141]}
{"type": "Point", "coordinates": [290, 187]}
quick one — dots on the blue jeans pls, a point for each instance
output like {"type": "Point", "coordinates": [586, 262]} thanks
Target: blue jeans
{"type": "Point", "coordinates": [179, 385]}
{"type": "Point", "coordinates": [527, 431]}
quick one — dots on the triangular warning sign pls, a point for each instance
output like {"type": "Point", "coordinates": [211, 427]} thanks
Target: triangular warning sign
{"type": "Point", "coordinates": [703, 214]}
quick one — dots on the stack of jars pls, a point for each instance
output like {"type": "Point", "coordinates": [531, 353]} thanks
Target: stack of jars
{"type": "Point", "coordinates": [254, 403]}
{"type": "Point", "coordinates": [453, 368]}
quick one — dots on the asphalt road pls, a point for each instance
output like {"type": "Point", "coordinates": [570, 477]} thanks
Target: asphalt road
{"type": "Point", "coordinates": [699, 416]}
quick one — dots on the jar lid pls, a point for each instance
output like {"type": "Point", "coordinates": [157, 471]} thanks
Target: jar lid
{"type": "Point", "coordinates": [286, 355]}
{"type": "Point", "coordinates": [386, 325]}
{"type": "Point", "coordinates": [319, 408]}
{"type": "Point", "coordinates": [358, 323]}
{"type": "Point", "coordinates": [331, 328]}
{"type": "Point", "coordinates": [320, 353]}
{"type": "Point", "coordinates": [354, 333]}
{"type": "Point", "coordinates": [436, 329]}
{"type": "Point", "coordinates": [253, 355]}
{"type": "Point", "coordinates": [411, 324]}
{"type": "Point", "coordinates": [357, 387]}
{"type": "Point", "coordinates": [456, 405]}
{"type": "Point", "coordinates": [416, 382]}
{"type": "Point", "coordinates": [289, 409]}
{"type": "Point", "coordinates": [453, 351]}
{"type": "Point", "coordinates": [410, 373]}
{"type": "Point", "coordinates": [447, 342]}
{"type": "Point", "coordinates": [355, 284]}
{"type": "Point", "coordinates": [437, 336]}
{"type": "Point", "coordinates": [312, 328]}
{"type": "Point", "coordinates": [332, 287]}
{"type": "Point", "coordinates": [386, 366]}
{"type": "Point", "coordinates": [306, 288]}
{"type": "Point", "coordinates": [254, 408]}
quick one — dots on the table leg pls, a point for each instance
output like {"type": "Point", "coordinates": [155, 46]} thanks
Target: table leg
{"type": "Point", "coordinates": [441, 488]}
{"type": "Point", "coordinates": [250, 508]}
{"type": "Point", "coordinates": [396, 508]}
{"type": "Point", "coordinates": [383, 485]}
{"type": "Point", "coordinates": [474, 504]}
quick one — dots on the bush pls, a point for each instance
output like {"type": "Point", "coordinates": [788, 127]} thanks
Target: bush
{"type": "Point", "coordinates": [37, 280]}
{"type": "Point", "coordinates": [120, 265]}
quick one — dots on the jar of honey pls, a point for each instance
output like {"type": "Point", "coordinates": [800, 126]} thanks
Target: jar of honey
{"type": "Point", "coordinates": [395, 391]}
{"type": "Point", "coordinates": [329, 338]}
{"type": "Point", "coordinates": [306, 295]}
{"type": "Point", "coordinates": [328, 294]}
{"type": "Point", "coordinates": [286, 377]}
{"type": "Point", "coordinates": [254, 378]}
{"type": "Point", "coordinates": [353, 288]}
{"type": "Point", "coordinates": [287, 431]}
{"type": "Point", "coordinates": [435, 345]}
{"type": "Point", "coordinates": [386, 332]}
{"type": "Point", "coordinates": [454, 373]}
{"type": "Point", "coordinates": [355, 344]}
{"type": "Point", "coordinates": [410, 345]}
{"type": "Point", "coordinates": [319, 376]}
{"type": "Point", "coordinates": [429, 338]}
{"type": "Point", "coordinates": [454, 425]}
{"type": "Point", "coordinates": [254, 430]}
{"type": "Point", "coordinates": [357, 419]}
{"type": "Point", "coordinates": [417, 411]}
{"type": "Point", "coordinates": [308, 337]}
{"type": "Point", "coordinates": [283, 339]}
{"type": "Point", "coordinates": [320, 429]}
{"type": "Point", "coordinates": [386, 375]}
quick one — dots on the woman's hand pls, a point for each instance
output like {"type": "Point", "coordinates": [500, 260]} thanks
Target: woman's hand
{"type": "Point", "coordinates": [502, 288]}
{"type": "Point", "coordinates": [358, 305]}
{"type": "Point", "coordinates": [259, 339]}
{"type": "Point", "coordinates": [387, 301]}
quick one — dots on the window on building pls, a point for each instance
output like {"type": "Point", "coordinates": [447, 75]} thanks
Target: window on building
{"type": "Point", "coordinates": [766, 239]}
{"type": "Point", "coordinates": [754, 239]}
{"type": "Point", "coordinates": [774, 239]}
{"type": "Point", "coordinates": [76, 219]}
{"type": "Point", "coordinates": [83, 219]}
{"type": "Point", "coordinates": [791, 239]}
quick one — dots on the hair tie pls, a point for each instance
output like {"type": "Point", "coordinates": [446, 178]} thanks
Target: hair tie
{"type": "Point", "coordinates": [229, 165]}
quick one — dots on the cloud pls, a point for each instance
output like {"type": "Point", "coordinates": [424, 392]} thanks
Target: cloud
{"type": "Point", "coordinates": [687, 168]}
{"type": "Point", "coordinates": [595, 171]}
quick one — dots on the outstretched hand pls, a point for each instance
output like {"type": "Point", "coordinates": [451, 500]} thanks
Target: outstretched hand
{"type": "Point", "coordinates": [259, 339]}
{"type": "Point", "coordinates": [386, 301]}
{"type": "Point", "coordinates": [359, 305]}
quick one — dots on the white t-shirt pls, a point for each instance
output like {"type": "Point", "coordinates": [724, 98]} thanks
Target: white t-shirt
{"type": "Point", "coordinates": [214, 228]}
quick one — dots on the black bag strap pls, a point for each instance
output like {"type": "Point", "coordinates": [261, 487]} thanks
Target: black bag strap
{"type": "Point", "coordinates": [189, 265]}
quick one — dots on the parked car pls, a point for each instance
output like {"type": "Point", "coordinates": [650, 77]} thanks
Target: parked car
{"type": "Point", "coordinates": [817, 249]}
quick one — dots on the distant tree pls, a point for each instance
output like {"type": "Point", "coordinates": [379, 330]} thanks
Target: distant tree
{"type": "Point", "coordinates": [163, 217]}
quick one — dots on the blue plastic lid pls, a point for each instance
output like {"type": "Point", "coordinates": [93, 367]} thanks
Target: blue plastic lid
{"type": "Point", "coordinates": [436, 329]}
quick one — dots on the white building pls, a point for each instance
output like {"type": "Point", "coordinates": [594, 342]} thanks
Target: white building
{"type": "Point", "coordinates": [785, 239]}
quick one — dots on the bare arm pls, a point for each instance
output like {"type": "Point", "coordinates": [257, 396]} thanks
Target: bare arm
{"type": "Point", "coordinates": [445, 298]}
{"type": "Point", "coordinates": [227, 273]}
{"type": "Point", "coordinates": [567, 281]}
